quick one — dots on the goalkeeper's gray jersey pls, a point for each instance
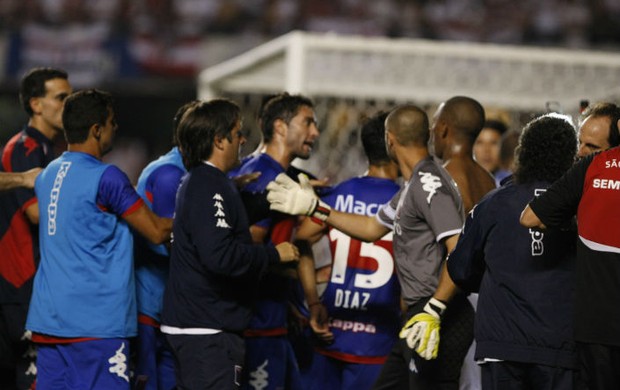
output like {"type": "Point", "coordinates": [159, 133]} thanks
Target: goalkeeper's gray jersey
{"type": "Point", "coordinates": [424, 212]}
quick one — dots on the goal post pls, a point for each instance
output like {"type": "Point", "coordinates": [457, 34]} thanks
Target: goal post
{"type": "Point", "coordinates": [350, 77]}
{"type": "Point", "coordinates": [355, 67]}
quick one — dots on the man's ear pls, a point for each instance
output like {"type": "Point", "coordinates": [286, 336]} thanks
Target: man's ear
{"type": "Point", "coordinates": [35, 105]}
{"type": "Point", "coordinates": [95, 130]}
{"type": "Point", "coordinates": [279, 127]}
{"type": "Point", "coordinates": [444, 129]}
{"type": "Point", "coordinates": [218, 142]}
{"type": "Point", "coordinates": [389, 139]}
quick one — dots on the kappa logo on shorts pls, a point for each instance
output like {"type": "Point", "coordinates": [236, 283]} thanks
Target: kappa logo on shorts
{"type": "Point", "coordinates": [412, 366]}
{"type": "Point", "coordinates": [118, 363]}
{"type": "Point", "coordinates": [238, 372]}
{"type": "Point", "coordinates": [430, 184]}
{"type": "Point", "coordinates": [219, 212]}
{"type": "Point", "coordinates": [260, 377]}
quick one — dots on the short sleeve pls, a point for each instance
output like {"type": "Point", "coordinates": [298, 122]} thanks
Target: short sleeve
{"type": "Point", "coordinates": [116, 194]}
{"type": "Point", "coordinates": [387, 212]}
{"type": "Point", "coordinates": [560, 202]}
{"type": "Point", "coordinates": [161, 189]}
{"type": "Point", "coordinates": [438, 205]}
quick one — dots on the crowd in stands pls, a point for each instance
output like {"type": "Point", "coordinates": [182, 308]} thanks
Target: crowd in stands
{"type": "Point", "coordinates": [568, 23]}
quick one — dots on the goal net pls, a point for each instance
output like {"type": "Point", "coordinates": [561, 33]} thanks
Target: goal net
{"type": "Point", "coordinates": [351, 77]}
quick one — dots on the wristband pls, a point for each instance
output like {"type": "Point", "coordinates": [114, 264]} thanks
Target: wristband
{"type": "Point", "coordinates": [435, 307]}
{"type": "Point", "coordinates": [321, 211]}
{"type": "Point", "coordinates": [314, 304]}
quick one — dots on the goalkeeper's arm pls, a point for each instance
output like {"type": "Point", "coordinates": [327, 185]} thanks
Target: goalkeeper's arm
{"type": "Point", "coordinates": [422, 331]}
{"type": "Point", "coordinates": [289, 197]}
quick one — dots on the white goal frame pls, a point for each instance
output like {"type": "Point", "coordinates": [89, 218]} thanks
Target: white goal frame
{"type": "Point", "coordinates": [413, 70]}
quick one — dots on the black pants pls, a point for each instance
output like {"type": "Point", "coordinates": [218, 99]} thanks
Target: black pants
{"type": "Point", "coordinates": [600, 365]}
{"type": "Point", "coordinates": [405, 369]}
{"type": "Point", "coordinates": [207, 361]}
{"type": "Point", "coordinates": [527, 376]}
{"type": "Point", "coordinates": [17, 351]}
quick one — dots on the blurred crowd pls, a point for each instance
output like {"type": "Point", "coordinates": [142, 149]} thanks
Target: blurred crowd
{"type": "Point", "coordinates": [570, 23]}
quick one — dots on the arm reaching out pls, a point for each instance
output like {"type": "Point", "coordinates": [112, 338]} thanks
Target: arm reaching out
{"type": "Point", "coordinates": [289, 197]}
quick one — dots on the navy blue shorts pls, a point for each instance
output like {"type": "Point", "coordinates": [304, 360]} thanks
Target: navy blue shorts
{"type": "Point", "coordinates": [327, 373]}
{"type": "Point", "coordinates": [271, 364]}
{"type": "Point", "coordinates": [94, 364]}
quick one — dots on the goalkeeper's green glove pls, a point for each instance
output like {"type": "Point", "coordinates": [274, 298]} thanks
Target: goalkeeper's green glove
{"type": "Point", "coordinates": [422, 329]}
{"type": "Point", "coordinates": [287, 196]}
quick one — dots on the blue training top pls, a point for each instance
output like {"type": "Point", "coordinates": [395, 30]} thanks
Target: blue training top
{"type": "Point", "coordinates": [84, 286]}
{"type": "Point", "coordinates": [157, 185]}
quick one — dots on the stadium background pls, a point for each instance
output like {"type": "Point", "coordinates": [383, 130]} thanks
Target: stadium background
{"type": "Point", "coordinates": [149, 54]}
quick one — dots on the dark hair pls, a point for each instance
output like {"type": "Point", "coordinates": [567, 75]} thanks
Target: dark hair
{"type": "Point", "coordinates": [33, 85]}
{"type": "Point", "coordinates": [177, 119]}
{"type": "Point", "coordinates": [201, 124]}
{"type": "Point", "coordinates": [611, 111]}
{"type": "Point", "coordinates": [547, 148]}
{"type": "Point", "coordinates": [465, 115]}
{"type": "Point", "coordinates": [373, 139]}
{"type": "Point", "coordinates": [497, 125]}
{"type": "Point", "coordinates": [282, 106]}
{"type": "Point", "coordinates": [82, 110]}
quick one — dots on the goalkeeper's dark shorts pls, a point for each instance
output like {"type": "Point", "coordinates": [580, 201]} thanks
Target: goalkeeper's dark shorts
{"type": "Point", "coordinates": [405, 369]}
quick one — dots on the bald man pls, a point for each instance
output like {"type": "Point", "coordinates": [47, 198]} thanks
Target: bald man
{"type": "Point", "coordinates": [456, 125]}
{"type": "Point", "coordinates": [425, 216]}
{"type": "Point", "coordinates": [599, 129]}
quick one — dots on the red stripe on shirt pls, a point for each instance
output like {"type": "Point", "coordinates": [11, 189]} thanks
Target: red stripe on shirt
{"type": "Point", "coordinates": [133, 208]}
{"type": "Point", "coordinates": [265, 332]}
{"type": "Point", "coordinates": [346, 357]}
{"type": "Point", "coordinates": [146, 320]}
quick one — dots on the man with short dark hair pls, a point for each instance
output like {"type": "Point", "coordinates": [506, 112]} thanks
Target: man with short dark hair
{"type": "Point", "coordinates": [426, 217]}
{"type": "Point", "coordinates": [214, 267]}
{"type": "Point", "coordinates": [157, 185]}
{"type": "Point", "coordinates": [42, 94]}
{"type": "Point", "coordinates": [289, 129]}
{"type": "Point", "coordinates": [83, 307]}
{"type": "Point", "coordinates": [362, 297]}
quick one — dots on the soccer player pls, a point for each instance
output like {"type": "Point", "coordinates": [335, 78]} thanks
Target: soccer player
{"type": "Point", "coordinates": [289, 131]}
{"type": "Point", "coordinates": [83, 308]}
{"type": "Point", "coordinates": [426, 217]}
{"type": "Point", "coordinates": [42, 93]}
{"type": "Point", "coordinates": [362, 297]}
{"type": "Point", "coordinates": [157, 185]}
{"type": "Point", "coordinates": [456, 125]}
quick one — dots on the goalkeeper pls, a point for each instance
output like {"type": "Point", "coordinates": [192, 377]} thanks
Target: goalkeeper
{"type": "Point", "coordinates": [426, 216]}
